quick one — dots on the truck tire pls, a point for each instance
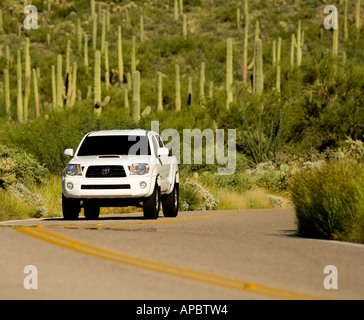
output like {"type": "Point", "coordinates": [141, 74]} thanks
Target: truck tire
{"type": "Point", "coordinates": [91, 210]}
{"type": "Point", "coordinates": [152, 204]}
{"type": "Point", "coordinates": [170, 202]}
{"type": "Point", "coordinates": [70, 208]}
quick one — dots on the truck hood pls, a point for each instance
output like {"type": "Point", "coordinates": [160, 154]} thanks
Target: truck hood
{"type": "Point", "coordinates": [125, 160]}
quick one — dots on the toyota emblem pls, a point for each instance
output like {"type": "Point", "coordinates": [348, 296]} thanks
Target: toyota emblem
{"type": "Point", "coordinates": [105, 171]}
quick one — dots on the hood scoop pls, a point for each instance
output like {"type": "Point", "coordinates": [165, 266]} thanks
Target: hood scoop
{"type": "Point", "coordinates": [108, 157]}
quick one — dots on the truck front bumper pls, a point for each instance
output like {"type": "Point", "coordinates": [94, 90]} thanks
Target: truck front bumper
{"type": "Point", "coordinates": [112, 188]}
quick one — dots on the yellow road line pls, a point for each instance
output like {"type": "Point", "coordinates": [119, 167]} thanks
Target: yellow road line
{"type": "Point", "coordinates": [75, 245]}
{"type": "Point", "coordinates": [102, 225]}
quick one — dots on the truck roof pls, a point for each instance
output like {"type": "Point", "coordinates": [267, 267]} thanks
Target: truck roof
{"type": "Point", "coordinates": [134, 132]}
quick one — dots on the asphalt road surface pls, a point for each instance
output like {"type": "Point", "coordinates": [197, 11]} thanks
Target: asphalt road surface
{"type": "Point", "coordinates": [245, 254]}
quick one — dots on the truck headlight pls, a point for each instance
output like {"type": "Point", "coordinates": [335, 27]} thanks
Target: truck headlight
{"type": "Point", "coordinates": [139, 169]}
{"type": "Point", "coordinates": [73, 170]}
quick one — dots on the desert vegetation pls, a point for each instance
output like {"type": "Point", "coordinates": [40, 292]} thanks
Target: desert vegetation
{"type": "Point", "coordinates": [292, 89]}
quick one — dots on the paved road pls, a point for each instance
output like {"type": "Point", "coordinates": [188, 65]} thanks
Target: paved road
{"type": "Point", "coordinates": [246, 254]}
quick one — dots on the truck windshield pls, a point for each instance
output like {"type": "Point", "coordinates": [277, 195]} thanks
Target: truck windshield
{"type": "Point", "coordinates": [114, 145]}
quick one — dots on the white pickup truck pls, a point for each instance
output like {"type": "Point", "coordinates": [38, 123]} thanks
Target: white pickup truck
{"type": "Point", "coordinates": [118, 168]}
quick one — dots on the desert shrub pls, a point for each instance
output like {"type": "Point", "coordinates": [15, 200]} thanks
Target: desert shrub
{"type": "Point", "coordinates": [17, 165]}
{"type": "Point", "coordinates": [329, 200]}
{"type": "Point", "coordinates": [195, 197]}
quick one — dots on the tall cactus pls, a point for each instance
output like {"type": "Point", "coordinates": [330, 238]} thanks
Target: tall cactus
{"type": "Point", "coordinates": [189, 91]}
{"type": "Point", "coordinates": [74, 85]}
{"type": "Point", "coordinates": [142, 27]}
{"type": "Point", "coordinates": [178, 88]}
{"type": "Point", "coordinates": [27, 66]}
{"type": "Point", "coordinates": [246, 40]}
{"type": "Point", "coordinates": [120, 56]}
{"type": "Point", "coordinates": [60, 85]}
{"type": "Point", "coordinates": [358, 17]}
{"type": "Point", "coordinates": [20, 87]}
{"type": "Point", "coordinates": [299, 43]}
{"type": "Point", "coordinates": [107, 70]}
{"type": "Point", "coordinates": [278, 64]}
{"type": "Point", "coordinates": [229, 72]}
{"type": "Point", "coordinates": [160, 92]}
{"type": "Point", "coordinates": [7, 93]}
{"type": "Point", "coordinates": [184, 27]}
{"type": "Point", "coordinates": [54, 87]}
{"type": "Point", "coordinates": [85, 54]}
{"type": "Point", "coordinates": [135, 114]}
{"type": "Point", "coordinates": [98, 105]}
{"type": "Point", "coordinates": [176, 10]}
{"type": "Point", "coordinates": [202, 82]}
{"type": "Point", "coordinates": [97, 83]}
{"type": "Point", "coordinates": [335, 42]}
{"type": "Point", "coordinates": [293, 46]}
{"type": "Point", "coordinates": [259, 76]}
{"type": "Point", "coordinates": [36, 94]}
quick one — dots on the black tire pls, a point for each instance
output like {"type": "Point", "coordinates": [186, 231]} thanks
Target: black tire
{"type": "Point", "coordinates": [170, 203]}
{"type": "Point", "coordinates": [91, 210]}
{"type": "Point", "coordinates": [152, 204]}
{"type": "Point", "coordinates": [70, 208]}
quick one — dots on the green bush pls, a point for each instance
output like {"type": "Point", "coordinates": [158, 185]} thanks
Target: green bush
{"type": "Point", "coordinates": [17, 165]}
{"type": "Point", "coordinates": [195, 197]}
{"type": "Point", "coordinates": [329, 200]}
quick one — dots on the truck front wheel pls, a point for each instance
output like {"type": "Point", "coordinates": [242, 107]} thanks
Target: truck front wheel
{"type": "Point", "coordinates": [152, 204]}
{"type": "Point", "coordinates": [70, 208]}
{"type": "Point", "coordinates": [170, 202]}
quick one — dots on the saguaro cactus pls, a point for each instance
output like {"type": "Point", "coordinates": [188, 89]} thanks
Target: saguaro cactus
{"type": "Point", "coordinates": [7, 92]}
{"type": "Point", "coordinates": [202, 82]}
{"type": "Point", "coordinates": [142, 27]}
{"type": "Point", "coordinates": [97, 83]}
{"type": "Point", "coordinates": [107, 70]}
{"type": "Point", "coordinates": [278, 64]}
{"type": "Point", "coordinates": [20, 87]}
{"type": "Point", "coordinates": [36, 94]}
{"type": "Point", "coordinates": [85, 54]}
{"type": "Point", "coordinates": [160, 92]}
{"type": "Point", "coordinates": [54, 87]}
{"type": "Point", "coordinates": [189, 91]}
{"type": "Point", "coordinates": [60, 85]}
{"type": "Point", "coordinates": [246, 40]}
{"type": "Point", "coordinates": [27, 78]}
{"type": "Point", "coordinates": [293, 46]}
{"type": "Point", "coordinates": [178, 88]}
{"type": "Point", "coordinates": [120, 56]}
{"type": "Point", "coordinates": [98, 105]}
{"type": "Point", "coordinates": [259, 76]}
{"type": "Point", "coordinates": [184, 27]}
{"type": "Point", "coordinates": [175, 10]}
{"type": "Point", "coordinates": [358, 18]}
{"type": "Point", "coordinates": [229, 72]}
{"type": "Point", "coordinates": [335, 42]}
{"type": "Point", "coordinates": [299, 43]}
{"type": "Point", "coordinates": [135, 113]}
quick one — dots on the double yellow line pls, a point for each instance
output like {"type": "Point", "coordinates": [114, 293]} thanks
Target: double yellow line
{"type": "Point", "coordinates": [45, 235]}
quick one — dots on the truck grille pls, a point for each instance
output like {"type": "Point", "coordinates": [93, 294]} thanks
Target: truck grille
{"type": "Point", "coordinates": [105, 172]}
{"type": "Point", "coordinates": [104, 187]}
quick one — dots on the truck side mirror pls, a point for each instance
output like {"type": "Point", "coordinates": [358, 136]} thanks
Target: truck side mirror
{"type": "Point", "coordinates": [68, 153]}
{"type": "Point", "coordinates": [163, 152]}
